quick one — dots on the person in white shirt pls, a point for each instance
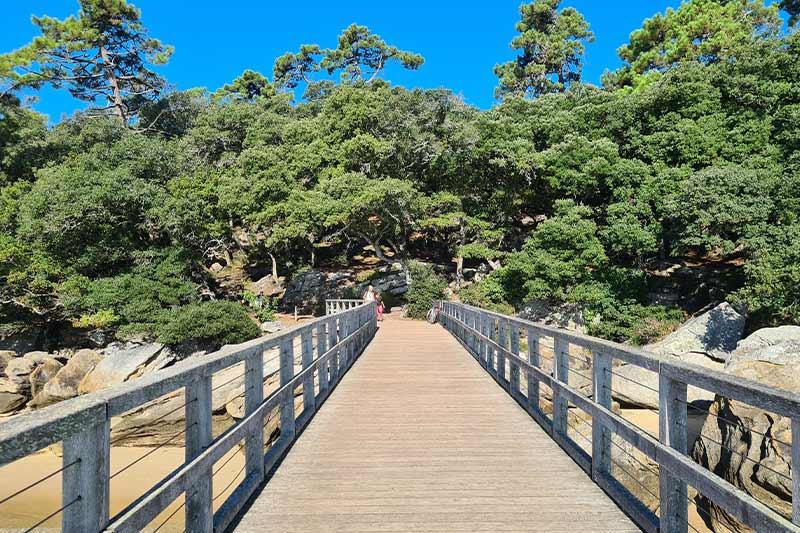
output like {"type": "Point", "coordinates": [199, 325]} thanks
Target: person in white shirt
{"type": "Point", "coordinates": [369, 296]}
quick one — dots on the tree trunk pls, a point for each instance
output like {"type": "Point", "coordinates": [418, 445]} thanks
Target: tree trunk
{"type": "Point", "coordinates": [274, 267]}
{"type": "Point", "coordinates": [378, 252]}
{"type": "Point", "coordinates": [119, 106]}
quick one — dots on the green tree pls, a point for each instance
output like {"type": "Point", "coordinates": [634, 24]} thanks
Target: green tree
{"type": "Point", "coordinates": [792, 7]}
{"type": "Point", "coordinates": [426, 288]}
{"type": "Point", "coordinates": [551, 46]}
{"type": "Point", "coordinates": [291, 69]}
{"type": "Point", "coordinates": [104, 54]}
{"type": "Point", "coordinates": [707, 31]}
{"type": "Point", "coordinates": [362, 55]}
{"type": "Point", "coordinates": [248, 87]}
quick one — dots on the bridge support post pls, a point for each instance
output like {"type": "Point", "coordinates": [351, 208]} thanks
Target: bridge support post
{"type": "Point", "coordinates": [514, 379]}
{"type": "Point", "coordinates": [601, 436]}
{"type": "Point", "coordinates": [254, 395]}
{"type": "Point", "coordinates": [307, 355]}
{"type": "Point", "coordinates": [322, 369]}
{"type": "Point", "coordinates": [199, 514]}
{"type": "Point", "coordinates": [488, 330]}
{"type": "Point", "coordinates": [287, 401]}
{"type": "Point", "coordinates": [85, 482]}
{"type": "Point", "coordinates": [533, 358]}
{"type": "Point", "coordinates": [561, 373]}
{"type": "Point", "coordinates": [672, 432]}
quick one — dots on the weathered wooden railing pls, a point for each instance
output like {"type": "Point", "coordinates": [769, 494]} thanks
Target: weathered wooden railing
{"type": "Point", "coordinates": [494, 339]}
{"type": "Point", "coordinates": [83, 425]}
{"type": "Point", "coordinates": [335, 306]}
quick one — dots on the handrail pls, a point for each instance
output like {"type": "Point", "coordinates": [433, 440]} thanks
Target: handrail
{"type": "Point", "coordinates": [83, 424]}
{"type": "Point", "coordinates": [486, 335]}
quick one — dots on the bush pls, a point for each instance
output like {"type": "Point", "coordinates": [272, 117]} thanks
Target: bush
{"type": "Point", "coordinates": [266, 310]}
{"type": "Point", "coordinates": [426, 288]}
{"type": "Point", "coordinates": [486, 294]}
{"type": "Point", "coordinates": [216, 323]}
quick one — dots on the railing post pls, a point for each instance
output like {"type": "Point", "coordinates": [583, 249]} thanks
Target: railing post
{"type": "Point", "coordinates": [306, 356]}
{"type": "Point", "coordinates": [199, 514]}
{"type": "Point", "coordinates": [502, 341]}
{"type": "Point", "coordinates": [287, 401]}
{"type": "Point", "coordinates": [488, 331]}
{"type": "Point", "coordinates": [253, 396]}
{"type": "Point", "coordinates": [796, 471]}
{"type": "Point", "coordinates": [601, 437]}
{"type": "Point", "coordinates": [85, 483]}
{"type": "Point", "coordinates": [343, 356]}
{"type": "Point", "coordinates": [533, 358]}
{"type": "Point", "coordinates": [514, 379]}
{"type": "Point", "coordinates": [333, 360]}
{"type": "Point", "coordinates": [561, 373]}
{"type": "Point", "coordinates": [672, 420]}
{"type": "Point", "coordinates": [322, 368]}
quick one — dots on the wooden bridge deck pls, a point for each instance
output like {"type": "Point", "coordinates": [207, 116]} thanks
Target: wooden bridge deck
{"type": "Point", "coordinates": [417, 437]}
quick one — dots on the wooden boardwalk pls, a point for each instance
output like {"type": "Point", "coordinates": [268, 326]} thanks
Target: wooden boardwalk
{"type": "Point", "coordinates": [417, 437]}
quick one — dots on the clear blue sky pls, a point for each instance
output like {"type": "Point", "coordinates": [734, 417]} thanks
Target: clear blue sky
{"type": "Point", "coordinates": [460, 40]}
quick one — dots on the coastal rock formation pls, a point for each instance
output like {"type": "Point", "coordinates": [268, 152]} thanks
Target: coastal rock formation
{"type": "Point", "coordinates": [65, 383]}
{"type": "Point", "coordinates": [118, 367]}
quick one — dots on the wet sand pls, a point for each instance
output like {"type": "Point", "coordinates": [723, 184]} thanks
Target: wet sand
{"type": "Point", "coordinates": [33, 505]}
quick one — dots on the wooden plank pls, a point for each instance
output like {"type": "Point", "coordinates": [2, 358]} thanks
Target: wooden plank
{"type": "Point", "coordinates": [672, 422]}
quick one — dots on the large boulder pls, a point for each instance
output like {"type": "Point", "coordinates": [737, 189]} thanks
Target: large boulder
{"type": "Point", "coordinates": [65, 383]}
{"type": "Point", "coordinates": [714, 333]}
{"type": "Point", "coordinates": [393, 282]}
{"type": "Point", "coordinates": [638, 387]}
{"type": "Point", "coordinates": [268, 286]}
{"type": "Point", "coordinates": [22, 341]}
{"type": "Point", "coordinates": [776, 345]}
{"type": "Point", "coordinates": [305, 292]}
{"type": "Point", "coordinates": [761, 464]}
{"type": "Point", "coordinates": [44, 373]}
{"type": "Point", "coordinates": [118, 367]}
{"type": "Point", "coordinates": [11, 402]}
{"type": "Point", "coordinates": [18, 371]}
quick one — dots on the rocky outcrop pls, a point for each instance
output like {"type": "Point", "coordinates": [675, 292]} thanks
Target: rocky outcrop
{"type": "Point", "coordinates": [5, 357]}
{"type": "Point", "coordinates": [268, 286]}
{"type": "Point", "coordinates": [714, 333]}
{"type": "Point", "coordinates": [761, 463]}
{"type": "Point", "coordinates": [118, 367]}
{"type": "Point", "coordinates": [18, 371]}
{"type": "Point", "coordinates": [65, 383]}
{"type": "Point", "coordinates": [308, 291]}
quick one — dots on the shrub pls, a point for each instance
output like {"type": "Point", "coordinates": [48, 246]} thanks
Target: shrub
{"type": "Point", "coordinates": [486, 294]}
{"type": "Point", "coordinates": [266, 310]}
{"type": "Point", "coordinates": [426, 287]}
{"type": "Point", "coordinates": [217, 323]}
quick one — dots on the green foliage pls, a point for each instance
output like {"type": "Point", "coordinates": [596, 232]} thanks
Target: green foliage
{"type": "Point", "coordinates": [426, 288]}
{"type": "Point", "coordinates": [773, 275]}
{"type": "Point", "coordinates": [698, 30]}
{"type": "Point", "coordinates": [551, 45]}
{"type": "Point", "coordinates": [265, 310]}
{"type": "Point", "coordinates": [215, 323]}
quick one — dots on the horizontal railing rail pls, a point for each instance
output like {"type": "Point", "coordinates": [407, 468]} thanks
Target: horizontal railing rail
{"type": "Point", "coordinates": [334, 306]}
{"type": "Point", "coordinates": [494, 339]}
{"type": "Point", "coordinates": [83, 424]}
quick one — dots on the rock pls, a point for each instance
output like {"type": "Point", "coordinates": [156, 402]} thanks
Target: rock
{"type": "Point", "coordinates": [18, 371]}
{"type": "Point", "coordinates": [37, 357]}
{"type": "Point", "coordinates": [764, 338]}
{"type": "Point", "coordinates": [65, 383]}
{"type": "Point", "coordinates": [394, 282]}
{"type": "Point", "coordinates": [268, 286]}
{"type": "Point", "coordinates": [98, 338]}
{"type": "Point", "coordinates": [761, 464]}
{"type": "Point", "coordinates": [11, 402]}
{"type": "Point", "coordinates": [638, 386]}
{"type": "Point", "coordinates": [714, 332]}
{"type": "Point", "coordinates": [216, 267]}
{"type": "Point", "coordinates": [44, 373]}
{"type": "Point", "coordinates": [118, 367]}
{"type": "Point", "coordinates": [271, 327]}
{"type": "Point", "coordinates": [305, 292]}
{"type": "Point", "coordinates": [565, 316]}
{"type": "Point", "coordinates": [5, 357]}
